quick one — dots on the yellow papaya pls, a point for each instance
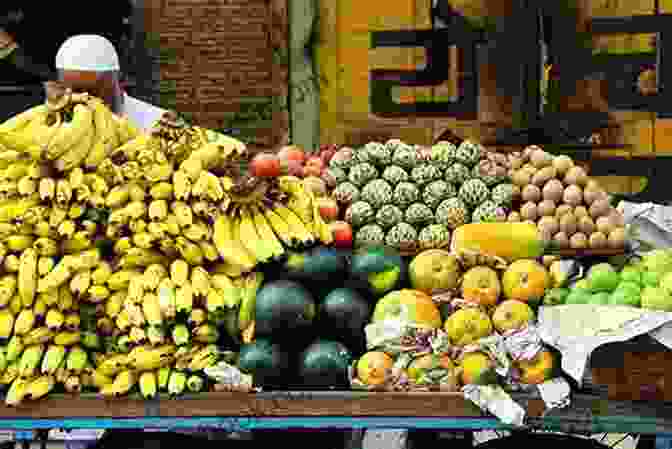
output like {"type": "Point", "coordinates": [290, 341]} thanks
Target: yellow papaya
{"type": "Point", "coordinates": [510, 241]}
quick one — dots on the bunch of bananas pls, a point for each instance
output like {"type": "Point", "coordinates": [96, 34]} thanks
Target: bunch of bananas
{"type": "Point", "coordinates": [124, 256]}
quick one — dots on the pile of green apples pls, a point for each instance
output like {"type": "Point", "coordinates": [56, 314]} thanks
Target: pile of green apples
{"type": "Point", "coordinates": [644, 282]}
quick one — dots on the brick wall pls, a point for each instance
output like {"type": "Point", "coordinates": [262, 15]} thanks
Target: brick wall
{"type": "Point", "coordinates": [224, 57]}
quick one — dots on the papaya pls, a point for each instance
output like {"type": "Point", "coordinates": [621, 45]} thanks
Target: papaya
{"type": "Point", "coordinates": [510, 241]}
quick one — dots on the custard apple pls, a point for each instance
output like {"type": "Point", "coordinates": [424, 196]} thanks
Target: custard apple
{"type": "Point", "coordinates": [474, 192]}
{"type": "Point", "coordinates": [343, 158]}
{"type": "Point", "coordinates": [452, 212]}
{"type": "Point", "coordinates": [405, 156]}
{"type": "Point", "coordinates": [437, 191]}
{"type": "Point", "coordinates": [389, 215]}
{"type": "Point", "coordinates": [362, 173]}
{"type": "Point", "coordinates": [424, 174]}
{"type": "Point", "coordinates": [362, 155]}
{"type": "Point", "coordinates": [457, 174]}
{"type": "Point", "coordinates": [502, 194]}
{"type": "Point", "coordinates": [469, 153]}
{"type": "Point", "coordinates": [378, 153]}
{"type": "Point", "coordinates": [338, 174]}
{"type": "Point", "coordinates": [395, 174]}
{"type": "Point", "coordinates": [489, 180]}
{"type": "Point", "coordinates": [405, 194]}
{"type": "Point", "coordinates": [402, 236]}
{"type": "Point", "coordinates": [393, 144]}
{"type": "Point", "coordinates": [419, 214]}
{"type": "Point", "coordinates": [434, 236]}
{"type": "Point", "coordinates": [370, 235]}
{"type": "Point", "coordinates": [443, 154]}
{"type": "Point", "coordinates": [488, 212]}
{"type": "Point", "coordinates": [346, 193]}
{"type": "Point", "coordinates": [361, 213]}
{"type": "Point", "coordinates": [377, 193]}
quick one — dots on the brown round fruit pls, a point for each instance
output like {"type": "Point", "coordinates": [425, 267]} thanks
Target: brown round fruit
{"type": "Point", "coordinates": [604, 225]}
{"type": "Point", "coordinates": [521, 178]}
{"type": "Point", "coordinates": [562, 210]}
{"type": "Point", "coordinates": [546, 208]}
{"type": "Point", "coordinates": [561, 240]}
{"type": "Point", "coordinates": [576, 176]}
{"type": "Point", "coordinates": [578, 241]}
{"type": "Point", "coordinates": [599, 208]}
{"type": "Point", "coordinates": [553, 190]}
{"type": "Point", "coordinates": [581, 211]}
{"type": "Point", "coordinates": [616, 239]}
{"type": "Point", "coordinates": [529, 211]}
{"type": "Point", "coordinates": [548, 225]}
{"type": "Point", "coordinates": [562, 164]}
{"type": "Point", "coordinates": [568, 224]}
{"type": "Point", "coordinates": [531, 193]}
{"type": "Point", "coordinates": [514, 217]}
{"type": "Point", "coordinates": [597, 240]}
{"type": "Point", "coordinates": [572, 195]}
{"type": "Point", "coordinates": [586, 225]}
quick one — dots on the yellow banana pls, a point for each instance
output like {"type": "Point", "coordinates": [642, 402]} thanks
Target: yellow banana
{"type": "Point", "coordinates": [70, 134]}
{"type": "Point", "coordinates": [232, 251]}
{"type": "Point", "coordinates": [250, 238]}
{"type": "Point", "coordinates": [105, 135]}
{"type": "Point", "coordinates": [266, 234]}
{"type": "Point", "coordinates": [77, 153]}
{"type": "Point", "coordinates": [22, 119]}
{"type": "Point", "coordinates": [121, 385]}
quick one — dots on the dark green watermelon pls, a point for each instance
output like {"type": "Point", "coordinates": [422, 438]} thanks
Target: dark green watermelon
{"type": "Point", "coordinates": [265, 361]}
{"type": "Point", "coordinates": [343, 313]}
{"type": "Point", "coordinates": [283, 308]}
{"type": "Point", "coordinates": [325, 365]}
{"type": "Point", "coordinates": [319, 263]}
{"type": "Point", "coordinates": [379, 269]}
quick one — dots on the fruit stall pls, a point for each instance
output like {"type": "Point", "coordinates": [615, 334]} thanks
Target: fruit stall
{"type": "Point", "coordinates": [172, 279]}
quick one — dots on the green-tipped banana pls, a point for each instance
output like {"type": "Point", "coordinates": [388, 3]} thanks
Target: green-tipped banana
{"type": "Point", "coordinates": [206, 333]}
{"type": "Point", "coordinates": [229, 321]}
{"type": "Point", "coordinates": [30, 361]}
{"type": "Point", "coordinates": [148, 384]}
{"type": "Point", "coordinates": [123, 344]}
{"type": "Point", "coordinates": [249, 301]}
{"type": "Point", "coordinates": [181, 334]}
{"type": "Point", "coordinates": [52, 359]}
{"type": "Point", "coordinates": [195, 383]}
{"type": "Point", "coordinates": [177, 383]}
{"type": "Point", "coordinates": [40, 387]}
{"type": "Point", "coordinates": [162, 378]}
{"type": "Point", "coordinates": [11, 373]}
{"type": "Point", "coordinates": [14, 348]}
{"type": "Point", "coordinates": [91, 340]}
{"type": "Point", "coordinates": [17, 392]}
{"type": "Point", "coordinates": [76, 360]}
{"type": "Point", "coordinates": [156, 335]}
{"type": "Point", "coordinates": [3, 359]}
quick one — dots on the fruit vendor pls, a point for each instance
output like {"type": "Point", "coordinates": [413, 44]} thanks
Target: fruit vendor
{"type": "Point", "coordinates": [30, 34]}
{"type": "Point", "coordinates": [89, 63]}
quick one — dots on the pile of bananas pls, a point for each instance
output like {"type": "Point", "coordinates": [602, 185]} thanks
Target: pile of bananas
{"type": "Point", "coordinates": [125, 255]}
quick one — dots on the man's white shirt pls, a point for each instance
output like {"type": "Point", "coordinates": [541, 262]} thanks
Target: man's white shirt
{"type": "Point", "coordinates": [141, 114]}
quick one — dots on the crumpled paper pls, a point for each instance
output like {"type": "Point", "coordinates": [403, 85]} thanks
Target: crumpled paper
{"type": "Point", "coordinates": [494, 399]}
{"type": "Point", "coordinates": [651, 223]}
{"type": "Point", "coordinates": [577, 330]}
{"type": "Point", "coordinates": [230, 378]}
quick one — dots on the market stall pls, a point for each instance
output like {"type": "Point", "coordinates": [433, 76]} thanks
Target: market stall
{"type": "Point", "coordinates": [175, 280]}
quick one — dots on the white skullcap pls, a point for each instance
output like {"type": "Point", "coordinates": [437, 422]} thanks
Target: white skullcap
{"type": "Point", "coordinates": [87, 52]}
